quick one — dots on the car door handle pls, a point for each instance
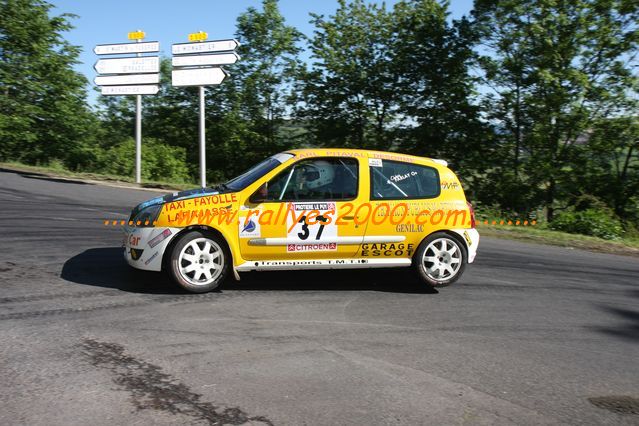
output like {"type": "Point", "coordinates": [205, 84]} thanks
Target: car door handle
{"type": "Point", "coordinates": [348, 217]}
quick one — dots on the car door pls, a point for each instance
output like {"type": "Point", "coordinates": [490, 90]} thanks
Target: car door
{"type": "Point", "coordinates": [305, 212]}
{"type": "Point", "coordinates": [400, 193]}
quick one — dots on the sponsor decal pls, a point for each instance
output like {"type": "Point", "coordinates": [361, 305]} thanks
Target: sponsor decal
{"type": "Point", "coordinates": [409, 227]}
{"type": "Point", "coordinates": [313, 206]}
{"type": "Point", "coordinates": [224, 215]}
{"type": "Point", "coordinates": [215, 199]}
{"type": "Point", "coordinates": [468, 240]}
{"type": "Point", "coordinates": [346, 154]}
{"type": "Point", "coordinates": [449, 185]}
{"type": "Point", "coordinates": [136, 254]}
{"type": "Point", "coordinates": [311, 247]}
{"type": "Point", "coordinates": [306, 155]}
{"type": "Point", "coordinates": [134, 241]}
{"type": "Point", "coordinates": [387, 250]}
{"type": "Point", "coordinates": [403, 209]}
{"type": "Point", "coordinates": [399, 178]}
{"type": "Point", "coordinates": [375, 162]}
{"type": "Point", "coordinates": [175, 205]}
{"type": "Point", "coordinates": [201, 202]}
{"type": "Point", "coordinates": [311, 262]}
{"type": "Point", "coordinates": [153, 256]}
{"type": "Point", "coordinates": [250, 227]}
{"type": "Point", "coordinates": [159, 238]}
{"type": "Point", "coordinates": [393, 157]}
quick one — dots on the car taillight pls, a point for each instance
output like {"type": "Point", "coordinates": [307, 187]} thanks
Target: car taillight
{"type": "Point", "coordinates": [473, 223]}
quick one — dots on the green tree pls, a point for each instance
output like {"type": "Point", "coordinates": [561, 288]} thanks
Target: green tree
{"type": "Point", "coordinates": [350, 93]}
{"type": "Point", "coordinates": [432, 59]}
{"type": "Point", "coordinates": [171, 117]}
{"type": "Point", "coordinates": [610, 166]}
{"type": "Point", "coordinates": [43, 110]}
{"type": "Point", "coordinates": [263, 79]}
{"type": "Point", "coordinates": [393, 79]}
{"type": "Point", "coordinates": [556, 69]}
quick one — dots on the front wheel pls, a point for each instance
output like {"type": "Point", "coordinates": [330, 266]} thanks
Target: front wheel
{"type": "Point", "coordinates": [199, 262]}
{"type": "Point", "coordinates": [440, 260]}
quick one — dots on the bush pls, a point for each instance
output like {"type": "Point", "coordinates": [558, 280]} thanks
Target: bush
{"type": "Point", "coordinates": [596, 222]}
{"type": "Point", "coordinates": [160, 162]}
{"type": "Point", "coordinates": [495, 212]}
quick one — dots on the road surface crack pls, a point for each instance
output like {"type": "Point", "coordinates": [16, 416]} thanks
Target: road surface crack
{"type": "Point", "coordinates": [151, 388]}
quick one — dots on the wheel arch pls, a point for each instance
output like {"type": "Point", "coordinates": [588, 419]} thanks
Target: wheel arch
{"type": "Point", "coordinates": [451, 234]}
{"type": "Point", "coordinates": [169, 248]}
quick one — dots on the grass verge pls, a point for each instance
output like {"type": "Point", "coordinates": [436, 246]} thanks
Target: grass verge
{"type": "Point", "coordinates": [57, 172]}
{"type": "Point", "coordinates": [539, 234]}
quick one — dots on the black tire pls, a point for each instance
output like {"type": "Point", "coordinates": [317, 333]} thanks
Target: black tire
{"type": "Point", "coordinates": [427, 260]}
{"type": "Point", "coordinates": [189, 267]}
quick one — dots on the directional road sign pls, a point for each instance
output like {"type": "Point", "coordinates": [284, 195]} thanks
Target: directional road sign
{"type": "Point", "coordinates": [204, 47]}
{"type": "Point", "coordinates": [115, 49]}
{"type": "Point", "coordinates": [121, 80]}
{"type": "Point", "coordinates": [198, 76]}
{"type": "Point", "coordinates": [195, 60]}
{"type": "Point", "coordinates": [128, 65]}
{"type": "Point", "coordinates": [131, 90]}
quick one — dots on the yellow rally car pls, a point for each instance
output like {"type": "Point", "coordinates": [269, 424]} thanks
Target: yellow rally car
{"type": "Point", "coordinates": [310, 209]}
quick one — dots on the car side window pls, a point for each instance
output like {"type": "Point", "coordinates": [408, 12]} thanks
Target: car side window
{"type": "Point", "coordinates": [397, 180]}
{"type": "Point", "coordinates": [316, 179]}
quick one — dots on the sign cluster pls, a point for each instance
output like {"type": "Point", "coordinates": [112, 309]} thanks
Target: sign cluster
{"type": "Point", "coordinates": [199, 64]}
{"type": "Point", "coordinates": [138, 75]}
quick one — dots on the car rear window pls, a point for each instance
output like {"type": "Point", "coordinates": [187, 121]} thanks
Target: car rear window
{"type": "Point", "coordinates": [392, 180]}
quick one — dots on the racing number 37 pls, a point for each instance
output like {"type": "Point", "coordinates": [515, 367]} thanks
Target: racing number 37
{"type": "Point", "coordinates": [305, 232]}
{"type": "Point", "coordinates": [314, 224]}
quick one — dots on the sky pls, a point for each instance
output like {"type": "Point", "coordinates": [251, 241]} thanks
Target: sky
{"type": "Point", "coordinates": [106, 22]}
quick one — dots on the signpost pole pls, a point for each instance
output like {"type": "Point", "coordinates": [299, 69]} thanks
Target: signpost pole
{"type": "Point", "coordinates": [202, 141]}
{"type": "Point", "coordinates": [130, 75]}
{"type": "Point", "coordinates": [202, 132]}
{"type": "Point", "coordinates": [194, 64]}
{"type": "Point", "coordinates": [138, 135]}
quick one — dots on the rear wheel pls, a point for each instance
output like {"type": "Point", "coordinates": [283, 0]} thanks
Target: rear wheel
{"type": "Point", "coordinates": [199, 262]}
{"type": "Point", "coordinates": [440, 260]}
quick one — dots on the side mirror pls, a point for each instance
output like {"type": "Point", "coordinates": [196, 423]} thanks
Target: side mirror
{"type": "Point", "coordinates": [260, 195]}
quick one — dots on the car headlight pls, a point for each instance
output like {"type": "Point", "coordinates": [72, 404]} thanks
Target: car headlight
{"type": "Point", "coordinates": [147, 216]}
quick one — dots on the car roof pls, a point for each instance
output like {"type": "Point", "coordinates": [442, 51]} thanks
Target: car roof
{"type": "Point", "coordinates": [365, 153]}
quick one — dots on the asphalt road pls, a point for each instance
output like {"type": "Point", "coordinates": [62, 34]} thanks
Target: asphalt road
{"type": "Point", "coordinates": [530, 335]}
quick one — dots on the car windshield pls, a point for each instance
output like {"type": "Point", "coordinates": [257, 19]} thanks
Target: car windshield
{"type": "Point", "coordinates": [257, 171]}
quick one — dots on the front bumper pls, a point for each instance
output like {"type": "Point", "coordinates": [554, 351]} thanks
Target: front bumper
{"type": "Point", "coordinates": [144, 247]}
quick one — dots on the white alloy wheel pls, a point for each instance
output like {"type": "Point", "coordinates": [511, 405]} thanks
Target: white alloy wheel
{"type": "Point", "coordinates": [442, 259]}
{"type": "Point", "coordinates": [201, 261]}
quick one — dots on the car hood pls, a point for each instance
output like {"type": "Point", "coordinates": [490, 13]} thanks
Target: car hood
{"type": "Point", "coordinates": [177, 196]}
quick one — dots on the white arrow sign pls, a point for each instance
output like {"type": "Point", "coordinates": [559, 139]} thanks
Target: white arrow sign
{"type": "Point", "coordinates": [198, 77]}
{"type": "Point", "coordinates": [219, 59]}
{"type": "Point", "coordinates": [114, 49]}
{"type": "Point", "coordinates": [128, 65]}
{"type": "Point", "coordinates": [204, 47]}
{"type": "Point", "coordinates": [130, 90]}
{"type": "Point", "coordinates": [120, 80]}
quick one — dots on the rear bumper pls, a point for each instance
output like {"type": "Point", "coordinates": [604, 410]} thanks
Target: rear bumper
{"type": "Point", "coordinates": [471, 236]}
